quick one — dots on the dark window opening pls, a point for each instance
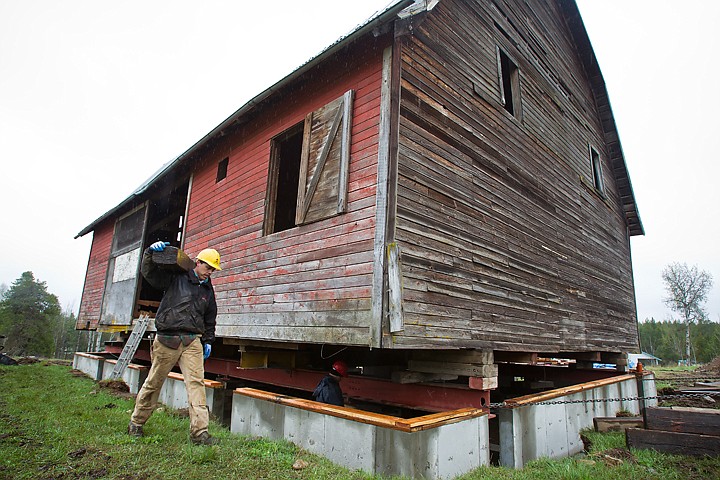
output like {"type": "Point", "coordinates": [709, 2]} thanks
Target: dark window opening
{"type": "Point", "coordinates": [222, 169]}
{"type": "Point", "coordinates": [509, 76]}
{"type": "Point", "coordinates": [285, 156]}
{"type": "Point", "coordinates": [596, 170]}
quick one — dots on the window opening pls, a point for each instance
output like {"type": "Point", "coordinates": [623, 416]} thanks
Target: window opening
{"type": "Point", "coordinates": [596, 170]}
{"type": "Point", "coordinates": [509, 77]}
{"type": "Point", "coordinates": [286, 153]}
{"type": "Point", "coordinates": [222, 169]}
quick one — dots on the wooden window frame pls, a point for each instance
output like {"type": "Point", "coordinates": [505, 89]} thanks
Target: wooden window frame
{"type": "Point", "coordinates": [322, 188]}
{"type": "Point", "coordinates": [596, 170]}
{"type": "Point", "coordinates": [509, 82]}
{"type": "Point", "coordinates": [222, 169]}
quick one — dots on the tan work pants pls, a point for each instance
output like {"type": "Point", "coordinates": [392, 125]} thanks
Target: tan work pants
{"type": "Point", "coordinates": [190, 360]}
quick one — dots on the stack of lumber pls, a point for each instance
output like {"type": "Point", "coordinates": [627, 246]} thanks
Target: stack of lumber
{"type": "Point", "coordinates": [679, 431]}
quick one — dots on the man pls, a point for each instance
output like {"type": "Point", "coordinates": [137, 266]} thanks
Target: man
{"type": "Point", "coordinates": [185, 323]}
{"type": "Point", "coordinates": [328, 390]}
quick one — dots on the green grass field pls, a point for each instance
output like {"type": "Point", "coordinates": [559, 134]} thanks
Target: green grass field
{"type": "Point", "coordinates": [55, 424]}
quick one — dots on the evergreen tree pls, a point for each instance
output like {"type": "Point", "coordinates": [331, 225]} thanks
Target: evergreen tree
{"type": "Point", "coordinates": [28, 316]}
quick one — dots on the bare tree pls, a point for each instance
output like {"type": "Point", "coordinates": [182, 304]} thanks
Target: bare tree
{"type": "Point", "coordinates": [687, 289]}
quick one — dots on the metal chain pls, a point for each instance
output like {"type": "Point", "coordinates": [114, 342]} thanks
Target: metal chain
{"type": "Point", "coordinates": [682, 378]}
{"type": "Point", "coordinates": [607, 400]}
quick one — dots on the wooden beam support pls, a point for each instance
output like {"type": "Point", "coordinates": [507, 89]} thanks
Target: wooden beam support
{"type": "Point", "coordinates": [616, 424]}
{"type": "Point", "coordinates": [673, 442]}
{"type": "Point", "coordinates": [466, 369]}
{"type": "Point", "coordinates": [516, 357]}
{"type": "Point", "coordinates": [478, 357]}
{"type": "Point", "coordinates": [483, 383]}
{"type": "Point", "coordinates": [703, 421]}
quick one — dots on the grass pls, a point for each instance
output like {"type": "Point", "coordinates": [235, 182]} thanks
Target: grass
{"type": "Point", "coordinates": [57, 425]}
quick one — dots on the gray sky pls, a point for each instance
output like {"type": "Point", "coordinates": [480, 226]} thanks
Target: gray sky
{"type": "Point", "coordinates": [95, 96]}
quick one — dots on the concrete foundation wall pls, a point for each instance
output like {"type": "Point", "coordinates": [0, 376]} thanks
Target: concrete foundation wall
{"type": "Point", "coordinates": [91, 365]}
{"type": "Point", "coordinates": [442, 452]}
{"type": "Point", "coordinates": [530, 431]}
{"type": "Point", "coordinates": [173, 393]}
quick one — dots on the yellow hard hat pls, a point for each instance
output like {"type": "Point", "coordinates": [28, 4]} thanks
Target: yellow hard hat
{"type": "Point", "coordinates": [211, 257]}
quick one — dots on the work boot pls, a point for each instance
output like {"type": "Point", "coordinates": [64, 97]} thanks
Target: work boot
{"type": "Point", "coordinates": [204, 439]}
{"type": "Point", "coordinates": [135, 430]}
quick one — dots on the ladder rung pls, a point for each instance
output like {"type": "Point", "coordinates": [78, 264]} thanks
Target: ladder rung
{"type": "Point", "coordinates": [131, 346]}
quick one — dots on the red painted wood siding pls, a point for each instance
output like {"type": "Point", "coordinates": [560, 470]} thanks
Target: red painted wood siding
{"type": "Point", "coordinates": [310, 283]}
{"type": "Point", "coordinates": [91, 303]}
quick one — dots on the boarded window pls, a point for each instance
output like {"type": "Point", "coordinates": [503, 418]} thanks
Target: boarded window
{"type": "Point", "coordinates": [129, 231]}
{"type": "Point", "coordinates": [509, 80]}
{"type": "Point", "coordinates": [596, 170]}
{"type": "Point", "coordinates": [309, 163]}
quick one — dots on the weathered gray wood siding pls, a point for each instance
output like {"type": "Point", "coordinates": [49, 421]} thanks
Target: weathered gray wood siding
{"type": "Point", "coordinates": [505, 242]}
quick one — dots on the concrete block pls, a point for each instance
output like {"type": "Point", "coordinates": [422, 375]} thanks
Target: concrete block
{"type": "Point", "coordinates": [91, 365]}
{"type": "Point", "coordinates": [174, 394]}
{"type": "Point", "coordinates": [305, 429]}
{"type": "Point", "coordinates": [354, 441]}
{"type": "Point", "coordinates": [535, 429]}
{"type": "Point", "coordinates": [252, 417]}
{"type": "Point", "coordinates": [350, 443]}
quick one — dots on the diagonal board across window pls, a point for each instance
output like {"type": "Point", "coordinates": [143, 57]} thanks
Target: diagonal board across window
{"type": "Point", "coordinates": [309, 168]}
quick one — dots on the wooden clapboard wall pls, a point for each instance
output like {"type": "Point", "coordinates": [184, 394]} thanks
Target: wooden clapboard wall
{"type": "Point", "coordinates": [504, 241]}
{"type": "Point", "coordinates": [94, 287]}
{"type": "Point", "coordinates": [311, 283]}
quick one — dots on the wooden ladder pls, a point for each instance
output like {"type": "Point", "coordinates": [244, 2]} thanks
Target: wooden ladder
{"type": "Point", "coordinates": [131, 346]}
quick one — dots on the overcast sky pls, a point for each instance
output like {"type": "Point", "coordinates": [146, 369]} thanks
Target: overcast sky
{"type": "Point", "coordinates": [96, 95]}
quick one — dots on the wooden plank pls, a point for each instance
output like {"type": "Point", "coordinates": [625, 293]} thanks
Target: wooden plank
{"type": "Point", "coordinates": [673, 443]}
{"type": "Point", "coordinates": [453, 368]}
{"type": "Point", "coordinates": [173, 258]}
{"type": "Point", "coordinates": [381, 203]}
{"type": "Point", "coordinates": [561, 392]}
{"type": "Point", "coordinates": [395, 296]}
{"type": "Point", "coordinates": [477, 357]}
{"type": "Point", "coordinates": [616, 424]}
{"type": "Point", "coordinates": [703, 421]}
{"type": "Point", "coordinates": [483, 383]}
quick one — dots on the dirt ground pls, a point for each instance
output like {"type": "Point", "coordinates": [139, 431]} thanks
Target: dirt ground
{"type": "Point", "coordinates": [680, 380]}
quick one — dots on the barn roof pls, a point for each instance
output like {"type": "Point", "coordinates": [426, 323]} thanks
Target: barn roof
{"type": "Point", "coordinates": [392, 11]}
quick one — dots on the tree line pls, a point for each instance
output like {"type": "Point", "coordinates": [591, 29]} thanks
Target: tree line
{"type": "Point", "coordinates": [667, 340]}
{"type": "Point", "coordinates": [33, 324]}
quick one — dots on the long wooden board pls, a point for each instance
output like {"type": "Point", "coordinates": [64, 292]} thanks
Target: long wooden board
{"type": "Point", "coordinates": [703, 421]}
{"type": "Point", "coordinates": [672, 442]}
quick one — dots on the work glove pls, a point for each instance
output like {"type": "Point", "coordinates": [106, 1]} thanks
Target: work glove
{"type": "Point", "coordinates": [207, 348]}
{"type": "Point", "coordinates": [159, 246]}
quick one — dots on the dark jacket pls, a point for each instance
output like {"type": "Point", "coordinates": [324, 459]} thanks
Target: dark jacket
{"type": "Point", "coordinates": [328, 391]}
{"type": "Point", "coordinates": [187, 307]}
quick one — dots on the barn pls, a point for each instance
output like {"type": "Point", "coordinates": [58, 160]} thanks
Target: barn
{"type": "Point", "coordinates": [437, 196]}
